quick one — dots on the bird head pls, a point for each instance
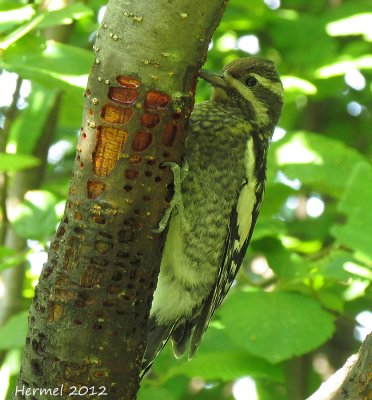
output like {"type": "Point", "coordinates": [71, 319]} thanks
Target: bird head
{"type": "Point", "coordinates": [253, 85]}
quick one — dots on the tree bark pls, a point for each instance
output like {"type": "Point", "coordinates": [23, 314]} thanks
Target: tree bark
{"type": "Point", "coordinates": [88, 320]}
{"type": "Point", "coordinates": [351, 382]}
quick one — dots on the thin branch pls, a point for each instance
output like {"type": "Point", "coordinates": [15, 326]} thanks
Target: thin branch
{"type": "Point", "coordinates": [10, 116]}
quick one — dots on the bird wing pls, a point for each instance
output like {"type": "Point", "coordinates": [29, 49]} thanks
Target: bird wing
{"type": "Point", "coordinates": [239, 233]}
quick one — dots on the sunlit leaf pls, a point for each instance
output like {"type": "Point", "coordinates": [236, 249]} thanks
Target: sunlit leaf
{"type": "Point", "coordinates": [316, 160]}
{"type": "Point", "coordinates": [66, 15]}
{"type": "Point", "coordinates": [154, 393]}
{"type": "Point", "coordinates": [30, 122]}
{"type": "Point", "coordinates": [276, 326]}
{"type": "Point", "coordinates": [17, 162]}
{"type": "Point", "coordinates": [358, 24]}
{"type": "Point", "coordinates": [45, 61]}
{"type": "Point", "coordinates": [356, 233]}
{"type": "Point", "coordinates": [298, 85]}
{"type": "Point", "coordinates": [227, 365]}
{"type": "Point", "coordinates": [36, 217]}
{"type": "Point", "coordinates": [13, 333]}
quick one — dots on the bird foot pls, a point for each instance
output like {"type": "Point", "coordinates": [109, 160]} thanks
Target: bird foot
{"type": "Point", "coordinates": [179, 175]}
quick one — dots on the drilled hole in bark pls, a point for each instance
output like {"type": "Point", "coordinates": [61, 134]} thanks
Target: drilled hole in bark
{"type": "Point", "coordinates": [148, 173]}
{"type": "Point", "coordinates": [83, 135]}
{"type": "Point", "coordinates": [80, 303]}
{"type": "Point", "coordinates": [128, 188]}
{"type": "Point", "coordinates": [79, 231]}
{"type": "Point", "coordinates": [81, 165]}
{"type": "Point", "coordinates": [109, 144]}
{"type": "Point", "coordinates": [28, 340]}
{"type": "Point", "coordinates": [156, 100]}
{"type": "Point", "coordinates": [117, 276]}
{"type": "Point", "coordinates": [77, 322]}
{"type": "Point", "coordinates": [140, 212]}
{"type": "Point", "coordinates": [151, 161]}
{"type": "Point", "coordinates": [131, 174]}
{"type": "Point", "coordinates": [113, 289]}
{"type": "Point", "coordinates": [150, 120]}
{"type": "Point", "coordinates": [108, 304]}
{"type": "Point", "coordinates": [126, 235]}
{"type": "Point", "coordinates": [132, 275]}
{"type": "Point", "coordinates": [105, 234]}
{"type": "Point", "coordinates": [47, 272]}
{"type": "Point", "coordinates": [96, 326]}
{"type": "Point", "coordinates": [36, 368]}
{"type": "Point", "coordinates": [99, 220]}
{"type": "Point", "coordinates": [102, 247]}
{"type": "Point", "coordinates": [55, 246]}
{"type": "Point", "coordinates": [122, 254]}
{"type": "Point", "coordinates": [135, 159]}
{"type": "Point", "coordinates": [157, 179]}
{"type": "Point", "coordinates": [123, 95]}
{"type": "Point", "coordinates": [95, 189]}
{"type": "Point", "coordinates": [128, 82]}
{"type": "Point", "coordinates": [136, 262]}
{"type": "Point", "coordinates": [166, 154]}
{"type": "Point", "coordinates": [78, 216]}
{"type": "Point", "coordinates": [146, 198]}
{"type": "Point", "coordinates": [130, 286]}
{"type": "Point", "coordinates": [60, 231]}
{"type": "Point", "coordinates": [142, 141]}
{"type": "Point", "coordinates": [116, 115]}
{"type": "Point", "coordinates": [170, 134]}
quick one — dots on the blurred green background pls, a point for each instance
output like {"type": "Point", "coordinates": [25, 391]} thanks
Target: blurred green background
{"type": "Point", "coordinates": [302, 301]}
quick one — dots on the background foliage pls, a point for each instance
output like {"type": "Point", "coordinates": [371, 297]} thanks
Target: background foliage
{"type": "Point", "coordinates": [300, 304]}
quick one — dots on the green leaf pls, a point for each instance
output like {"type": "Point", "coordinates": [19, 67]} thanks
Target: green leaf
{"type": "Point", "coordinates": [49, 62]}
{"type": "Point", "coordinates": [29, 123]}
{"type": "Point", "coordinates": [36, 216]}
{"type": "Point", "coordinates": [66, 15]}
{"type": "Point", "coordinates": [227, 365]}
{"type": "Point", "coordinates": [20, 32]}
{"type": "Point", "coordinates": [13, 333]}
{"type": "Point", "coordinates": [318, 161]}
{"type": "Point", "coordinates": [276, 326]}
{"type": "Point", "coordinates": [154, 393]}
{"type": "Point", "coordinates": [356, 233]}
{"type": "Point", "coordinates": [268, 226]}
{"type": "Point", "coordinates": [12, 15]}
{"type": "Point", "coordinates": [9, 258]}
{"type": "Point", "coordinates": [17, 162]}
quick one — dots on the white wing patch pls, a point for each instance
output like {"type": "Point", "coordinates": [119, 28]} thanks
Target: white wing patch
{"type": "Point", "coordinates": [247, 197]}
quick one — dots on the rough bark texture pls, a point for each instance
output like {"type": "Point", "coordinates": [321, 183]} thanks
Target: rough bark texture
{"type": "Point", "coordinates": [351, 382]}
{"type": "Point", "coordinates": [87, 322]}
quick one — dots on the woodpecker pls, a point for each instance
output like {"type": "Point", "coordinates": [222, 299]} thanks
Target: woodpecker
{"type": "Point", "coordinates": [217, 199]}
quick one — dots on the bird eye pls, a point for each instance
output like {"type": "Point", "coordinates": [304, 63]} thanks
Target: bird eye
{"type": "Point", "coordinates": [251, 82]}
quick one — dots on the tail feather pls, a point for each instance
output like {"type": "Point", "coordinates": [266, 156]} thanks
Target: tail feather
{"type": "Point", "coordinates": [157, 337]}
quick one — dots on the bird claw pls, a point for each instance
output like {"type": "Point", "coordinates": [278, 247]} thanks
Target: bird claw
{"type": "Point", "coordinates": [179, 175]}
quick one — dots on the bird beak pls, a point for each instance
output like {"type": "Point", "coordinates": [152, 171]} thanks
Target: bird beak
{"type": "Point", "coordinates": [216, 80]}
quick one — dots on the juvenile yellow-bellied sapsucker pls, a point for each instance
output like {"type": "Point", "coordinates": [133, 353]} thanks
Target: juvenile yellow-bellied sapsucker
{"type": "Point", "coordinates": [216, 202]}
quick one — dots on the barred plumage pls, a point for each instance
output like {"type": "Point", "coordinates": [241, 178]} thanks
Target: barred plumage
{"type": "Point", "coordinates": [216, 206]}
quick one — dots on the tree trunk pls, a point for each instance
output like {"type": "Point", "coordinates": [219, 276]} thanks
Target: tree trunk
{"type": "Point", "coordinates": [351, 382]}
{"type": "Point", "coordinates": [88, 320]}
